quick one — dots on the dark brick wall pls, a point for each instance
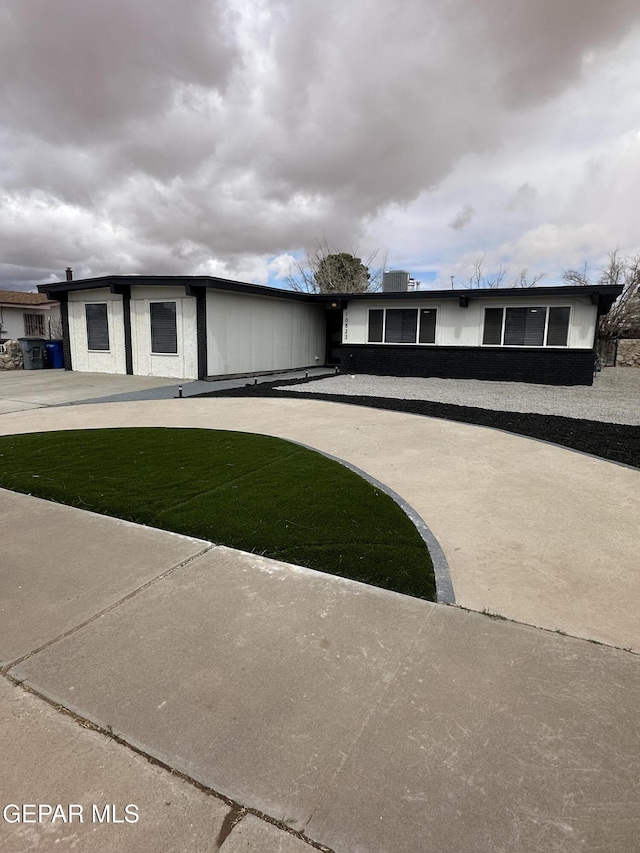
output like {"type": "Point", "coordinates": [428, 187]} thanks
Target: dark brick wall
{"type": "Point", "coordinates": [539, 365]}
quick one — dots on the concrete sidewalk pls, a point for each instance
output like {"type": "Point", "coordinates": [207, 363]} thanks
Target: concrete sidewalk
{"type": "Point", "coordinates": [364, 720]}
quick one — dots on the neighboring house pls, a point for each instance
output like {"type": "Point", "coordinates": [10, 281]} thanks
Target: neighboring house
{"type": "Point", "coordinates": [28, 315]}
{"type": "Point", "coordinates": [202, 327]}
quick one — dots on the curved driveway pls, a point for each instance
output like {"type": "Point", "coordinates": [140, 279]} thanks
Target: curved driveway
{"type": "Point", "coordinates": [533, 532]}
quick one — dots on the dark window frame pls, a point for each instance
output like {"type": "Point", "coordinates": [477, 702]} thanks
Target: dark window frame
{"type": "Point", "coordinates": [382, 331]}
{"type": "Point", "coordinates": [174, 302]}
{"type": "Point", "coordinates": [539, 306]}
{"type": "Point", "coordinates": [92, 333]}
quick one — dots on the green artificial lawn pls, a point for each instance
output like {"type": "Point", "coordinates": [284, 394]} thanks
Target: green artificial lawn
{"type": "Point", "coordinates": [246, 491]}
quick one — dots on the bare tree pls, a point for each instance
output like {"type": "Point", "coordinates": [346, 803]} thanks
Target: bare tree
{"type": "Point", "coordinates": [325, 270]}
{"type": "Point", "coordinates": [623, 319]}
{"type": "Point", "coordinates": [523, 279]}
{"type": "Point", "coordinates": [55, 328]}
{"type": "Point", "coordinates": [481, 280]}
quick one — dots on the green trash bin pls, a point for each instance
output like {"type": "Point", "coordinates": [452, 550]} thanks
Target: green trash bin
{"type": "Point", "coordinates": [32, 352]}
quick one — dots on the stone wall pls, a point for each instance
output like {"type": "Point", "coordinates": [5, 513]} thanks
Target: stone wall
{"type": "Point", "coordinates": [628, 353]}
{"type": "Point", "coordinates": [11, 358]}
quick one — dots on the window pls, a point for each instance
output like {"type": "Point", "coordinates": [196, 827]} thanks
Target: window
{"type": "Point", "coordinates": [534, 326]}
{"type": "Point", "coordinates": [97, 326]}
{"type": "Point", "coordinates": [558, 330]}
{"type": "Point", "coordinates": [402, 326]}
{"type": "Point", "coordinates": [492, 326]}
{"type": "Point", "coordinates": [376, 321]}
{"type": "Point", "coordinates": [524, 327]}
{"type": "Point", "coordinates": [428, 325]}
{"type": "Point", "coordinates": [34, 325]}
{"type": "Point", "coordinates": [164, 332]}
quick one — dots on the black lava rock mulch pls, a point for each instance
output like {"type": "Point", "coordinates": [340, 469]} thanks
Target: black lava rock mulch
{"type": "Point", "coordinates": [615, 442]}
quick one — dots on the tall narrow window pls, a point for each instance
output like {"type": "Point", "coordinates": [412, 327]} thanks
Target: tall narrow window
{"type": "Point", "coordinates": [492, 326]}
{"type": "Point", "coordinates": [375, 326]}
{"type": "Point", "coordinates": [164, 332]}
{"type": "Point", "coordinates": [97, 326]}
{"type": "Point", "coordinates": [427, 325]}
{"type": "Point", "coordinates": [558, 330]}
{"type": "Point", "coordinates": [401, 326]}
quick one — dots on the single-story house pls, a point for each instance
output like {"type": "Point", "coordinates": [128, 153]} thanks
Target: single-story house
{"type": "Point", "coordinates": [203, 327]}
{"type": "Point", "coordinates": [28, 315]}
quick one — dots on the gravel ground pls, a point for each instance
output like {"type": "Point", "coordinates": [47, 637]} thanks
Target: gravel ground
{"type": "Point", "coordinates": [613, 398]}
{"type": "Point", "coordinates": [603, 420]}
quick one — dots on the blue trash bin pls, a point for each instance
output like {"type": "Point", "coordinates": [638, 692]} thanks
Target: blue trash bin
{"type": "Point", "coordinates": [54, 353]}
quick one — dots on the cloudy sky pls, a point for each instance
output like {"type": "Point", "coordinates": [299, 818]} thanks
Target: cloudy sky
{"type": "Point", "coordinates": [224, 137]}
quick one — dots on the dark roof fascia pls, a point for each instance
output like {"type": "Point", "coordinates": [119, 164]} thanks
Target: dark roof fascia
{"type": "Point", "coordinates": [608, 290]}
{"type": "Point", "coordinates": [602, 295]}
{"type": "Point", "coordinates": [605, 301]}
{"type": "Point", "coordinates": [116, 282]}
{"type": "Point", "coordinates": [253, 289]}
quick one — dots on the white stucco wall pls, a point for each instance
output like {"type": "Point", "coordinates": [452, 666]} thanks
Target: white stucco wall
{"type": "Point", "coordinates": [12, 323]}
{"type": "Point", "coordinates": [12, 320]}
{"type": "Point", "coordinates": [247, 334]}
{"type": "Point", "coordinates": [82, 359]}
{"type": "Point", "coordinates": [184, 364]}
{"type": "Point", "coordinates": [463, 327]}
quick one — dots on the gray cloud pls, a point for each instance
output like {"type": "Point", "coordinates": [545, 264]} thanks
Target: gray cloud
{"type": "Point", "coordinates": [523, 199]}
{"type": "Point", "coordinates": [463, 217]}
{"type": "Point", "coordinates": [77, 71]}
{"type": "Point", "coordinates": [154, 136]}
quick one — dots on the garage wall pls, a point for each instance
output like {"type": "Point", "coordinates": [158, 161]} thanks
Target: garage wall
{"type": "Point", "coordinates": [462, 327]}
{"type": "Point", "coordinates": [249, 334]}
{"type": "Point", "coordinates": [111, 361]}
{"type": "Point", "coordinates": [184, 364]}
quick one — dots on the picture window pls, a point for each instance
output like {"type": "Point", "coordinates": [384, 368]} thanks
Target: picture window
{"type": "Point", "coordinates": [402, 325]}
{"type": "Point", "coordinates": [532, 326]}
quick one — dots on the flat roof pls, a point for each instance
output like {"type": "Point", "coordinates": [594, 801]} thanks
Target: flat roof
{"type": "Point", "coordinates": [607, 294]}
{"type": "Point", "coordinates": [115, 282]}
{"type": "Point", "coordinates": [493, 292]}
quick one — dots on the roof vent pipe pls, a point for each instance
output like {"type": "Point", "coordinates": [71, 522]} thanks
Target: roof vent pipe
{"type": "Point", "coordinates": [69, 272]}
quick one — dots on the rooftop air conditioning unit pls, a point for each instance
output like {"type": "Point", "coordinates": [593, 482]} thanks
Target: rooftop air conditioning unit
{"type": "Point", "coordinates": [395, 281]}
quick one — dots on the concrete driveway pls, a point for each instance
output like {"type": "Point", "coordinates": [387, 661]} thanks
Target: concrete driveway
{"type": "Point", "coordinates": [33, 389]}
{"type": "Point", "coordinates": [533, 532]}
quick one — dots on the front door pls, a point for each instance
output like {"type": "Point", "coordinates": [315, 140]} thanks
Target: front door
{"type": "Point", "coordinates": [334, 335]}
